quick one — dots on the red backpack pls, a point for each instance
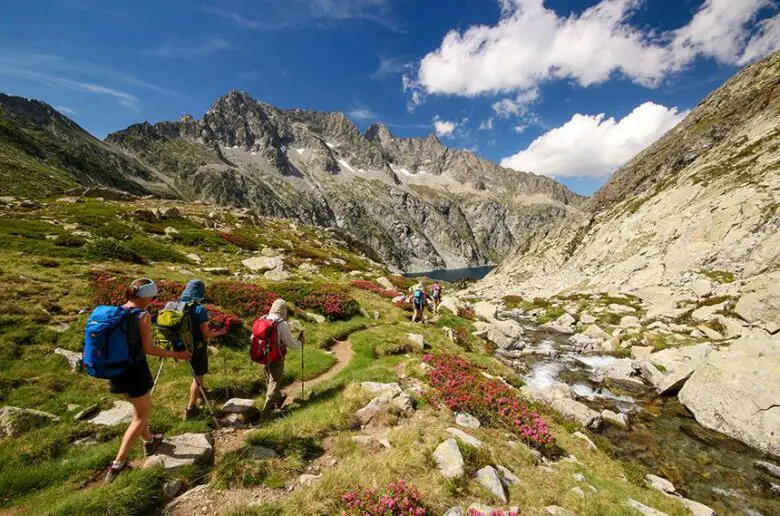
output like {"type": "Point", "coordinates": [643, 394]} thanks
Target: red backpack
{"type": "Point", "coordinates": [265, 347]}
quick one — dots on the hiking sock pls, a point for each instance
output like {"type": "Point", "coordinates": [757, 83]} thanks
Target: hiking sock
{"type": "Point", "coordinates": [118, 464]}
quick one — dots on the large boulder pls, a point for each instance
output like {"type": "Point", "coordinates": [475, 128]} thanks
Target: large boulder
{"type": "Point", "coordinates": [488, 478]}
{"type": "Point", "coordinates": [736, 391]}
{"type": "Point", "coordinates": [761, 305]}
{"type": "Point", "coordinates": [386, 283]}
{"type": "Point", "coordinates": [73, 357]}
{"type": "Point", "coordinates": [15, 421]}
{"type": "Point", "coordinates": [448, 459]}
{"type": "Point", "coordinates": [181, 450]}
{"type": "Point", "coordinates": [563, 324]}
{"type": "Point", "coordinates": [673, 358]}
{"type": "Point", "coordinates": [120, 414]}
{"type": "Point", "coordinates": [485, 311]}
{"type": "Point", "coordinates": [451, 303]}
{"type": "Point", "coordinates": [263, 263]}
{"type": "Point", "coordinates": [465, 438]}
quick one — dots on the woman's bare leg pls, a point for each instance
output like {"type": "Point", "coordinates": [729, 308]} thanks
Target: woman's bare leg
{"type": "Point", "coordinates": [139, 426]}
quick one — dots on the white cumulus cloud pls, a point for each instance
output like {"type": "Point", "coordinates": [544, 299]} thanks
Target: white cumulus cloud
{"type": "Point", "coordinates": [444, 127]}
{"type": "Point", "coordinates": [593, 145]}
{"type": "Point", "coordinates": [531, 43]}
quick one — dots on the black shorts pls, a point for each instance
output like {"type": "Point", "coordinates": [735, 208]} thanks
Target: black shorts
{"type": "Point", "coordinates": [200, 360]}
{"type": "Point", "coordinates": [134, 382]}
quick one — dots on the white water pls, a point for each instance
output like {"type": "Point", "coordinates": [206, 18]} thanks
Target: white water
{"type": "Point", "coordinates": [543, 375]}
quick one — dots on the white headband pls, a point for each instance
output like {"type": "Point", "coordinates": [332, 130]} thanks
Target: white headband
{"type": "Point", "coordinates": [147, 291]}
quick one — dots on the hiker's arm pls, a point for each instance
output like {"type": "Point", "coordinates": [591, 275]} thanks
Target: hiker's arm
{"type": "Point", "coordinates": [286, 336]}
{"type": "Point", "coordinates": [208, 333]}
{"type": "Point", "coordinates": [147, 341]}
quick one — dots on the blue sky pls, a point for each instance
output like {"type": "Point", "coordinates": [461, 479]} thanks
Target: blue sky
{"type": "Point", "coordinates": [566, 88]}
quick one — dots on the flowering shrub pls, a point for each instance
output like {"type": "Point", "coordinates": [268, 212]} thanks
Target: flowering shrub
{"type": "Point", "coordinates": [109, 289]}
{"type": "Point", "coordinates": [238, 241]}
{"type": "Point", "coordinates": [219, 319]}
{"type": "Point", "coordinates": [376, 289]}
{"type": "Point", "coordinates": [332, 301]}
{"type": "Point", "coordinates": [404, 304]}
{"type": "Point", "coordinates": [396, 499]}
{"type": "Point", "coordinates": [243, 299]}
{"type": "Point", "coordinates": [402, 282]}
{"type": "Point", "coordinates": [461, 387]}
{"type": "Point", "coordinates": [466, 313]}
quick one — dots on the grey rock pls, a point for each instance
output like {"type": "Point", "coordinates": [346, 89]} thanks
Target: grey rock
{"type": "Point", "coordinates": [480, 509]}
{"type": "Point", "coordinates": [455, 511]}
{"type": "Point", "coordinates": [277, 274]}
{"type": "Point", "coordinates": [696, 508]}
{"type": "Point", "coordinates": [86, 413]}
{"type": "Point", "coordinates": [563, 324]}
{"type": "Point", "coordinates": [181, 450]}
{"type": "Point", "coordinates": [488, 478]}
{"type": "Point", "coordinates": [448, 459]}
{"type": "Point", "coordinates": [386, 283]}
{"type": "Point", "coordinates": [263, 263]}
{"type": "Point", "coordinates": [15, 421]}
{"type": "Point", "coordinates": [217, 271]}
{"type": "Point", "coordinates": [120, 414]}
{"type": "Point", "coordinates": [465, 438]}
{"type": "Point", "coordinates": [583, 437]}
{"type": "Point", "coordinates": [768, 467]}
{"type": "Point", "coordinates": [621, 309]}
{"type": "Point", "coordinates": [417, 340]}
{"type": "Point", "coordinates": [643, 509]}
{"type": "Point", "coordinates": [617, 419]}
{"type": "Point", "coordinates": [308, 480]}
{"type": "Point", "coordinates": [466, 420]}
{"type": "Point", "coordinates": [649, 372]}
{"type": "Point", "coordinates": [507, 476]}
{"type": "Point", "coordinates": [674, 381]}
{"type": "Point", "coordinates": [402, 404]}
{"type": "Point", "coordinates": [374, 407]}
{"type": "Point", "coordinates": [260, 453]}
{"type": "Point", "coordinates": [659, 484]}
{"type": "Point", "coordinates": [629, 321]}
{"type": "Point", "coordinates": [382, 389]}
{"type": "Point", "coordinates": [579, 477]}
{"type": "Point", "coordinates": [240, 406]}
{"type": "Point", "coordinates": [735, 391]}
{"type": "Point", "coordinates": [485, 311]}
{"type": "Point", "coordinates": [555, 510]}
{"type": "Point", "coordinates": [73, 357]}
{"type": "Point", "coordinates": [578, 491]}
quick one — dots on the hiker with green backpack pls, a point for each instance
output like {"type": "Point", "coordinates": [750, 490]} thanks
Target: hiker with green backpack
{"type": "Point", "coordinates": [116, 342]}
{"type": "Point", "coordinates": [184, 324]}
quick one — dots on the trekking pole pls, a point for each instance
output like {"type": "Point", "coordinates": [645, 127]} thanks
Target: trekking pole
{"type": "Point", "coordinates": [301, 370]}
{"type": "Point", "coordinates": [159, 370]}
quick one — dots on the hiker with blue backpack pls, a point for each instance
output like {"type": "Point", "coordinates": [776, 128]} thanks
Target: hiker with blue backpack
{"type": "Point", "coordinates": [116, 342]}
{"type": "Point", "coordinates": [419, 301]}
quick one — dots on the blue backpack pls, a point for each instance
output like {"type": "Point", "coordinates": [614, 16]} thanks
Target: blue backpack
{"type": "Point", "coordinates": [419, 299]}
{"type": "Point", "coordinates": [106, 349]}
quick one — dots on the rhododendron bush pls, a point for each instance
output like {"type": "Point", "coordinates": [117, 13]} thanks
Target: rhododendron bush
{"type": "Point", "coordinates": [396, 499]}
{"type": "Point", "coordinates": [376, 289]}
{"type": "Point", "coordinates": [109, 289]}
{"type": "Point", "coordinates": [220, 319]}
{"type": "Point", "coordinates": [332, 301]}
{"type": "Point", "coordinates": [243, 299]}
{"type": "Point", "coordinates": [460, 385]}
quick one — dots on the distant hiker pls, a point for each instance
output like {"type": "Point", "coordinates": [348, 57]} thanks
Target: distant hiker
{"type": "Point", "coordinates": [116, 342]}
{"type": "Point", "coordinates": [271, 337]}
{"type": "Point", "coordinates": [194, 293]}
{"type": "Point", "coordinates": [436, 297]}
{"type": "Point", "coordinates": [419, 300]}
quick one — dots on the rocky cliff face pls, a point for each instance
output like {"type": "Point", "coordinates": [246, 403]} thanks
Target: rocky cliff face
{"type": "Point", "coordinates": [700, 205]}
{"type": "Point", "coordinates": [413, 203]}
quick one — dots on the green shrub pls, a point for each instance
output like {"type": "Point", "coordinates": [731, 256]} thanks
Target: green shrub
{"type": "Point", "coordinates": [111, 249]}
{"type": "Point", "coordinates": [155, 251]}
{"type": "Point", "coordinates": [199, 238]}
{"type": "Point", "coordinates": [115, 230]}
{"type": "Point", "coordinates": [68, 240]}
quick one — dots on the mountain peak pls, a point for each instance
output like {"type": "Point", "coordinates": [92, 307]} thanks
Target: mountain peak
{"type": "Point", "coordinates": [378, 131]}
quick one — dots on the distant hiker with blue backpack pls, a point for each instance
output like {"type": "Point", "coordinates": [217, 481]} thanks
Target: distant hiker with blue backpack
{"type": "Point", "coordinates": [271, 336]}
{"type": "Point", "coordinates": [116, 342]}
{"type": "Point", "coordinates": [419, 301]}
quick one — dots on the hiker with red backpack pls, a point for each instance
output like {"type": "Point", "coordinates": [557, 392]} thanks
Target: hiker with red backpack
{"type": "Point", "coordinates": [271, 337]}
{"type": "Point", "coordinates": [116, 342]}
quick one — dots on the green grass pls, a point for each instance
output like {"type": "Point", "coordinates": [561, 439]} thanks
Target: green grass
{"type": "Point", "coordinates": [718, 276]}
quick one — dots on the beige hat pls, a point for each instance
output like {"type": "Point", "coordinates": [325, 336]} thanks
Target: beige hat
{"type": "Point", "coordinates": [279, 307]}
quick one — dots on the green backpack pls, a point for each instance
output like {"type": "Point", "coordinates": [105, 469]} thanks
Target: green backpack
{"type": "Point", "coordinates": [173, 329]}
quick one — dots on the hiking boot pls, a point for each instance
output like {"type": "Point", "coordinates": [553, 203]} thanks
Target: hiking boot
{"type": "Point", "coordinates": [115, 470]}
{"type": "Point", "coordinates": [191, 412]}
{"type": "Point", "coordinates": [151, 446]}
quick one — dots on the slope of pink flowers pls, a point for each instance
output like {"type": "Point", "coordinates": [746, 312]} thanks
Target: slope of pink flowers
{"type": "Point", "coordinates": [460, 386]}
{"type": "Point", "coordinates": [396, 499]}
{"type": "Point", "coordinates": [376, 289]}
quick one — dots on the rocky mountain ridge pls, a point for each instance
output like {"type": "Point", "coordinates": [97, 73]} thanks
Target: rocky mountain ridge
{"type": "Point", "coordinates": [412, 203]}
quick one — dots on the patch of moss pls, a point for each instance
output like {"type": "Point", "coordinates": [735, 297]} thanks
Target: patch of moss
{"type": "Point", "coordinates": [718, 276]}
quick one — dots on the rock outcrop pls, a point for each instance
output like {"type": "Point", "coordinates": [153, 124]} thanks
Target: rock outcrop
{"type": "Point", "coordinates": [736, 391]}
